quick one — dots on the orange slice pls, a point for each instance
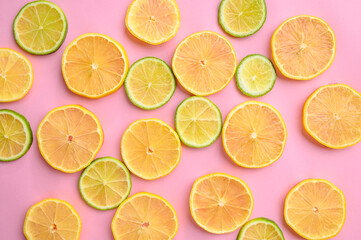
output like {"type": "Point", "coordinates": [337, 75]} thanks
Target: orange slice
{"type": "Point", "coordinates": [52, 219]}
{"type": "Point", "coordinates": [303, 47]}
{"type": "Point", "coordinates": [150, 148]}
{"type": "Point", "coordinates": [204, 63]}
{"type": "Point", "coordinates": [315, 209]}
{"type": "Point", "coordinates": [332, 116]}
{"type": "Point", "coordinates": [220, 203]}
{"type": "Point", "coordinates": [153, 21]}
{"type": "Point", "coordinates": [69, 137]}
{"type": "Point", "coordinates": [254, 134]}
{"type": "Point", "coordinates": [94, 65]}
{"type": "Point", "coordinates": [145, 216]}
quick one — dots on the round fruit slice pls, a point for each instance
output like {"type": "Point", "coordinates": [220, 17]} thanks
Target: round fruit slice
{"type": "Point", "coordinates": [255, 75]}
{"type": "Point", "coordinates": [40, 27]}
{"type": "Point", "coordinates": [94, 65]}
{"type": "Point", "coordinates": [16, 75]}
{"type": "Point", "coordinates": [69, 137]}
{"type": "Point", "coordinates": [303, 47]}
{"type": "Point", "coordinates": [315, 209]}
{"type": "Point", "coordinates": [332, 116]}
{"type": "Point", "coordinates": [254, 134]}
{"type": "Point", "coordinates": [260, 228]}
{"type": "Point", "coordinates": [150, 83]}
{"type": "Point", "coordinates": [198, 122]}
{"type": "Point", "coordinates": [16, 136]}
{"type": "Point", "coordinates": [204, 63]}
{"type": "Point", "coordinates": [150, 148]}
{"type": "Point", "coordinates": [153, 21]}
{"type": "Point", "coordinates": [105, 183]}
{"type": "Point", "coordinates": [145, 216]}
{"type": "Point", "coordinates": [52, 219]}
{"type": "Point", "coordinates": [242, 18]}
{"type": "Point", "coordinates": [220, 203]}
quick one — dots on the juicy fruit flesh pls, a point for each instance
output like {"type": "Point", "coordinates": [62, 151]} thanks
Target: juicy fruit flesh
{"type": "Point", "coordinates": [260, 228]}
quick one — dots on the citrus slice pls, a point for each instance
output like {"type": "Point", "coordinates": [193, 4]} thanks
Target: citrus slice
{"type": "Point", "coordinates": [332, 116]}
{"type": "Point", "coordinates": [145, 216]}
{"type": "Point", "coordinates": [150, 83]}
{"type": "Point", "coordinates": [69, 137]}
{"type": "Point", "coordinates": [241, 18]}
{"type": "Point", "coordinates": [260, 228]}
{"type": "Point", "coordinates": [303, 47]}
{"type": "Point", "coordinates": [198, 122]}
{"type": "Point", "coordinates": [204, 63]}
{"type": "Point", "coordinates": [150, 148]}
{"type": "Point", "coordinates": [153, 21]}
{"type": "Point", "coordinates": [220, 203]}
{"type": "Point", "coordinates": [16, 75]}
{"type": "Point", "coordinates": [255, 75]}
{"type": "Point", "coordinates": [40, 27]}
{"type": "Point", "coordinates": [16, 136]}
{"type": "Point", "coordinates": [315, 209]}
{"type": "Point", "coordinates": [94, 65]}
{"type": "Point", "coordinates": [52, 219]}
{"type": "Point", "coordinates": [254, 134]}
{"type": "Point", "coordinates": [105, 183]}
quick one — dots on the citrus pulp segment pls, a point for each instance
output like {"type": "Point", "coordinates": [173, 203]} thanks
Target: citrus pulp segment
{"type": "Point", "coordinates": [105, 183]}
{"type": "Point", "coordinates": [198, 122]}
{"type": "Point", "coordinates": [220, 203]}
{"type": "Point", "coordinates": [150, 83]}
{"type": "Point", "coordinates": [260, 228]}
{"type": "Point", "coordinates": [94, 65]}
{"type": "Point", "coordinates": [303, 47]}
{"type": "Point", "coordinates": [254, 134]}
{"type": "Point", "coordinates": [16, 136]}
{"type": "Point", "coordinates": [145, 216]}
{"type": "Point", "coordinates": [153, 21]}
{"type": "Point", "coordinates": [204, 63]}
{"type": "Point", "coordinates": [40, 27]}
{"type": "Point", "coordinates": [150, 148]}
{"type": "Point", "coordinates": [315, 209]}
{"type": "Point", "coordinates": [69, 137]}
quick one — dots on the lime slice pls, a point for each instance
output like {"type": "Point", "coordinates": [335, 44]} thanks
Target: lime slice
{"type": "Point", "coordinates": [150, 83]}
{"type": "Point", "coordinates": [255, 75]}
{"type": "Point", "coordinates": [16, 136]}
{"type": "Point", "coordinates": [198, 122]}
{"type": "Point", "coordinates": [105, 183]}
{"type": "Point", "coordinates": [241, 18]}
{"type": "Point", "coordinates": [40, 27]}
{"type": "Point", "coordinates": [260, 228]}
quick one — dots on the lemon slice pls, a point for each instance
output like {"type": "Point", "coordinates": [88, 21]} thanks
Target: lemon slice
{"type": "Point", "coordinates": [260, 228]}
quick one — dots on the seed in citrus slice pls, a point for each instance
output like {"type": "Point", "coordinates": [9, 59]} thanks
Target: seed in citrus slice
{"type": "Point", "coordinates": [255, 75]}
{"type": "Point", "coordinates": [150, 83]}
{"type": "Point", "coordinates": [40, 27]}
{"type": "Point", "coordinates": [94, 65]}
{"type": "Point", "coordinates": [303, 47]}
{"type": "Point", "coordinates": [220, 203]}
{"type": "Point", "coordinates": [254, 134]}
{"type": "Point", "coordinates": [16, 136]}
{"type": "Point", "coordinates": [16, 75]}
{"type": "Point", "coordinates": [52, 219]}
{"type": "Point", "coordinates": [242, 18]}
{"type": "Point", "coordinates": [260, 228]}
{"type": "Point", "coordinates": [153, 21]}
{"type": "Point", "coordinates": [315, 209]}
{"type": "Point", "coordinates": [150, 148]}
{"type": "Point", "coordinates": [145, 216]}
{"type": "Point", "coordinates": [332, 116]}
{"type": "Point", "coordinates": [198, 122]}
{"type": "Point", "coordinates": [69, 137]}
{"type": "Point", "coordinates": [105, 183]}
{"type": "Point", "coordinates": [204, 63]}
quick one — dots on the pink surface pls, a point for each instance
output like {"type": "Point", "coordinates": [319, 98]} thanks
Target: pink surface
{"type": "Point", "coordinates": [30, 179]}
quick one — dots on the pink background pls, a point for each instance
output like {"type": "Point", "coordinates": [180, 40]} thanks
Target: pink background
{"type": "Point", "coordinates": [30, 179]}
